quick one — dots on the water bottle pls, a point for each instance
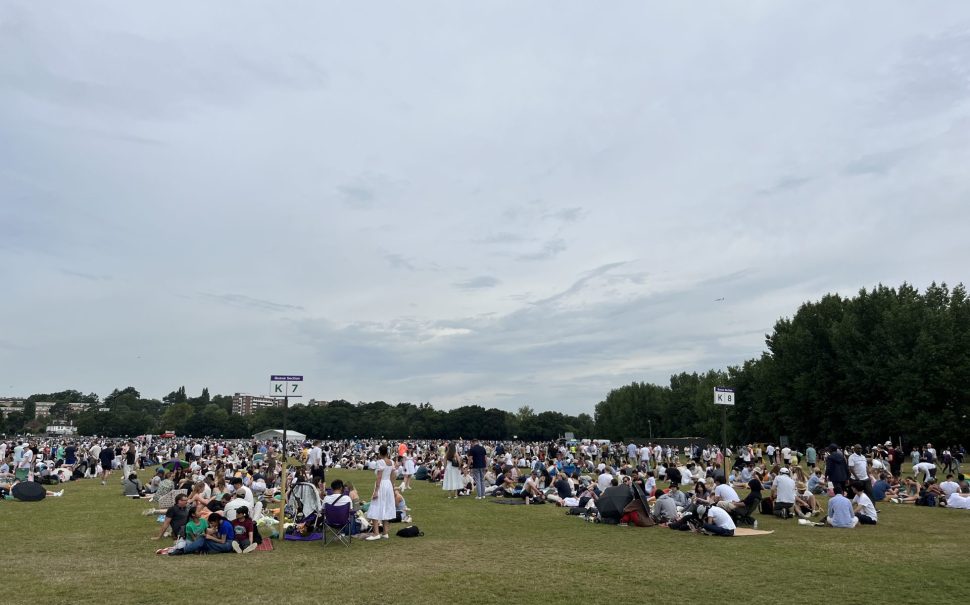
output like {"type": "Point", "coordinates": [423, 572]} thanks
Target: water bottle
{"type": "Point", "coordinates": [755, 524]}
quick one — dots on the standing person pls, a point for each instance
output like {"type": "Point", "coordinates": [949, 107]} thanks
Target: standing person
{"type": "Point", "coordinates": [859, 470]}
{"type": "Point", "coordinates": [25, 466]}
{"type": "Point", "coordinates": [409, 471]}
{"type": "Point", "coordinates": [382, 508]}
{"type": "Point", "coordinates": [811, 456]}
{"type": "Point", "coordinates": [896, 458]}
{"type": "Point", "coordinates": [836, 468]}
{"type": "Point", "coordinates": [314, 460]}
{"type": "Point", "coordinates": [106, 457]}
{"type": "Point", "coordinates": [477, 460]}
{"type": "Point", "coordinates": [452, 462]}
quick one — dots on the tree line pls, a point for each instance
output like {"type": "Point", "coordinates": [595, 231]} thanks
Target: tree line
{"type": "Point", "coordinates": [886, 364]}
{"type": "Point", "coordinates": [126, 413]}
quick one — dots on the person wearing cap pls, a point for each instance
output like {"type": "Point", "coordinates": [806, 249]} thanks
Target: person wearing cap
{"type": "Point", "coordinates": [783, 493]}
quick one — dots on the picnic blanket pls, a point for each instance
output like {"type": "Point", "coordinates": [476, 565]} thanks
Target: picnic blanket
{"type": "Point", "coordinates": [747, 531]}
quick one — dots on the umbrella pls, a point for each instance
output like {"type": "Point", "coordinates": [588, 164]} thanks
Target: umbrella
{"type": "Point", "coordinates": [612, 501]}
{"type": "Point", "coordinates": [28, 491]}
{"type": "Point", "coordinates": [174, 465]}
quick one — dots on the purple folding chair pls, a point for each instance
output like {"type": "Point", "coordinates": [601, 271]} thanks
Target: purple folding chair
{"type": "Point", "coordinates": [336, 523]}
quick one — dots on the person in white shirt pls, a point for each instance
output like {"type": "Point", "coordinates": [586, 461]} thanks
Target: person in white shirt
{"type": "Point", "coordinates": [25, 468]}
{"type": "Point", "coordinates": [238, 487]}
{"type": "Point", "coordinates": [314, 460]}
{"type": "Point", "coordinates": [950, 486]}
{"type": "Point", "coordinates": [727, 498]}
{"type": "Point", "coordinates": [783, 491]}
{"type": "Point", "coordinates": [959, 500]}
{"type": "Point", "coordinates": [927, 468]}
{"type": "Point", "coordinates": [859, 470]}
{"type": "Point", "coordinates": [604, 480]}
{"type": "Point", "coordinates": [863, 508]}
{"type": "Point", "coordinates": [337, 497]}
{"type": "Point", "coordinates": [719, 522]}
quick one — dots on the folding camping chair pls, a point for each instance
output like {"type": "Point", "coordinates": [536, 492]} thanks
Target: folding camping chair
{"type": "Point", "coordinates": [336, 521]}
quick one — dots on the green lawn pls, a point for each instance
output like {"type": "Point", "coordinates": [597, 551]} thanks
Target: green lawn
{"type": "Point", "coordinates": [93, 546]}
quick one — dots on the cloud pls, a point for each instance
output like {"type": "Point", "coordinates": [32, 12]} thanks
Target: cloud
{"type": "Point", "coordinates": [503, 237]}
{"type": "Point", "coordinates": [550, 249]}
{"type": "Point", "coordinates": [247, 302]}
{"type": "Point", "coordinates": [566, 215]}
{"type": "Point", "coordinates": [478, 283]}
{"type": "Point", "coordinates": [785, 185]}
{"type": "Point", "coordinates": [87, 276]}
{"type": "Point", "coordinates": [400, 262]}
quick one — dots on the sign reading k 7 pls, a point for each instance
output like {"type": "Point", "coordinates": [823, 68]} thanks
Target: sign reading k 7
{"type": "Point", "coordinates": [288, 385]}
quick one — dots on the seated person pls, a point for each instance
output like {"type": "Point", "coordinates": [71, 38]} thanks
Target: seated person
{"type": "Point", "coordinates": [880, 488]}
{"type": "Point", "coordinates": [816, 483]}
{"type": "Point", "coordinates": [783, 493]}
{"type": "Point", "coordinates": [805, 503]}
{"type": "Point", "coordinates": [718, 523]}
{"type": "Point", "coordinates": [132, 488]}
{"type": "Point", "coordinates": [530, 489]}
{"type": "Point", "coordinates": [840, 511]}
{"type": "Point", "coordinates": [961, 499]}
{"type": "Point", "coordinates": [725, 496]}
{"type": "Point", "coordinates": [665, 508]}
{"type": "Point", "coordinates": [863, 508]}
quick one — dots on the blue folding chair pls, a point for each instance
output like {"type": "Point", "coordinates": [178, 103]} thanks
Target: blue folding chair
{"type": "Point", "coordinates": [337, 522]}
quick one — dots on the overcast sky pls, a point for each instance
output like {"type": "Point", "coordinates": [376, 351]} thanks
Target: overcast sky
{"type": "Point", "coordinates": [457, 202]}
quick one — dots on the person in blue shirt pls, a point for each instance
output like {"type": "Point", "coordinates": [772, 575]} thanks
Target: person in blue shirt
{"type": "Point", "coordinates": [219, 536]}
{"type": "Point", "coordinates": [879, 488]}
{"type": "Point", "coordinates": [840, 511]}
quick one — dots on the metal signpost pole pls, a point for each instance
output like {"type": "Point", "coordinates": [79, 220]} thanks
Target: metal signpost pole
{"type": "Point", "coordinates": [724, 397]}
{"type": "Point", "coordinates": [287, 385]}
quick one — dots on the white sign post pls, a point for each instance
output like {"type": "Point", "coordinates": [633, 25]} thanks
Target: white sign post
{"type": "Point", "coordinates": [724, 397]}
{"type": "Point", "coordinates": [285, 386]}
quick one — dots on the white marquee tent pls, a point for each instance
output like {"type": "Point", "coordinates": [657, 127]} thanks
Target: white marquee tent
{"type": "Point", "coordinates": [278, 434]}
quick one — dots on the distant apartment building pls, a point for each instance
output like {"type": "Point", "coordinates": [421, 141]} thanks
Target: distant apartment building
{"type": "Point", "coordinates": [244, 405]}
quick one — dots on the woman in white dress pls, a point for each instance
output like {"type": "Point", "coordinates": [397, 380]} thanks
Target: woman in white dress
{"type": "Point", "coordinates": [453, 481]}
{"type": "Point", "coordinates": [382, 508]}
{"type": "Point", "coordinates": [408, 471]}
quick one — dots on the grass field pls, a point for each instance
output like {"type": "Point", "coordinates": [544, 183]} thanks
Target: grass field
{"type": "Point", "coordinates": [93, 546]}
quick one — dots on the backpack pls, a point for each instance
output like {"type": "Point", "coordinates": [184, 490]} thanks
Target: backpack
{"type": "Point", "coordinates": [410, 531]}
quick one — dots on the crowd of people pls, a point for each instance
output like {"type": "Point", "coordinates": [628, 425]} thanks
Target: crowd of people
{"type": "Point", "coordinates": [221, 496]}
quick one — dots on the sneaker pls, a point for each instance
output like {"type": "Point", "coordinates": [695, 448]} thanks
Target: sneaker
{"type": "Point", "coordinates": [59, 494]}
{"type": "Point", "coordinates": [406, 519]}
{"type": "Point", "coordinates": [385, 537]}
{"type": "Point", "coordinates": [372, 537]}
{"type": "Point", "coordinates": [251, 548]}
{"type": "Point", "coordinates": [236, 547]}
